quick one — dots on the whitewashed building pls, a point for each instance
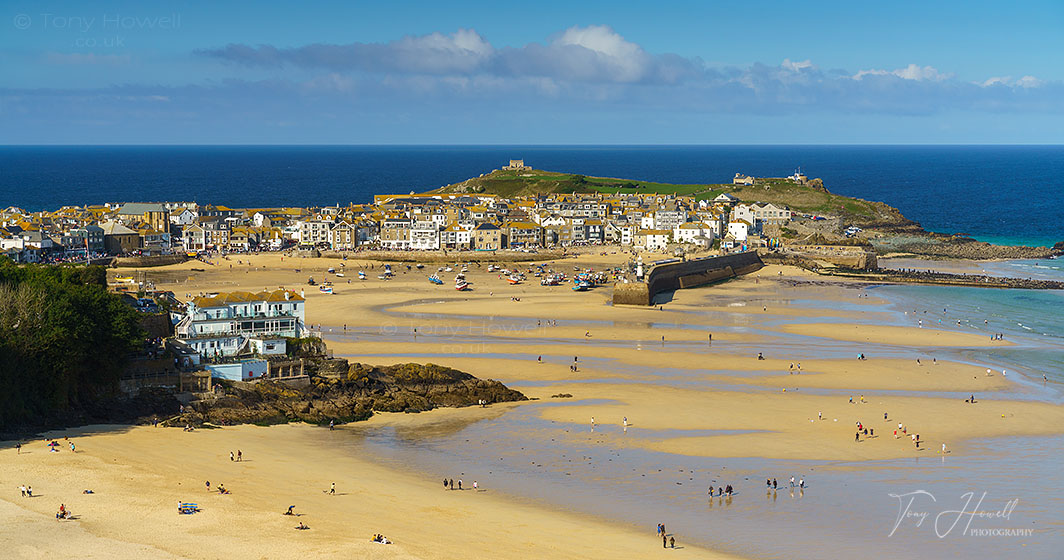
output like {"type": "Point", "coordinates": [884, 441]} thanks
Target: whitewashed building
{"type": "Point", "coordinates": [225, 324]}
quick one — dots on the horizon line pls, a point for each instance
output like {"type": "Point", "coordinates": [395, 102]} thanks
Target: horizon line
{"type": "Point", "coordinates": [504, 145]}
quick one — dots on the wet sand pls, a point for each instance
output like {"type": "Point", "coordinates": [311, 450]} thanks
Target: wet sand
{"type": "Point", "coordinates": [701, 392]}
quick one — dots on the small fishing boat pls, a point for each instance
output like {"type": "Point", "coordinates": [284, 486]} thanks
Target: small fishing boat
{"type": "Point", "coordinates": [383, 277]}
{"type": "Point", "coordinates": [582, 282]}
{"type": "Point", "coordinates": [340, 274]}
{"type": "Point", "coordinates": [362, 275]}
{"type": "Point", "coordinates": [420, 266]}
{"type": "Point", "coordinates": [513, 279]}
{"type": "Point", "coordinates": [331, 270]}
{"type": "Point", "coordinates": [435, 279]}
{"type": "Point", "coordinates": [461, 285]}
{"type": "Point", "coordinates": [325, 288]}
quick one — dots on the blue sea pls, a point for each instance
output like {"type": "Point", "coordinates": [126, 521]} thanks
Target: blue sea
{"type": "Point", "coordinates": [1003, 194]}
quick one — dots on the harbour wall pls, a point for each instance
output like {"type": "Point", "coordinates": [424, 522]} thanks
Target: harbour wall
{"type": "Point", "coordinates": [686, 274]}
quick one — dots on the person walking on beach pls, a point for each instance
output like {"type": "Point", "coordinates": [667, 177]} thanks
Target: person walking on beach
{"type": "Point", "coordinates": [445, 484]}
{"type": "Point", "coordinates": [459, 484]}
{"type": "Point", "coordinates": [239, 456]}
{"type": "Point", "coordinates": [774, 485]}
{"type": "Point", "coordinates": [23, 489]}
{"type": "Point", "coordinates": [452, 484]}
{"type": "Point", "coordinates": [672, 542]}
{"type": "Point", "coordinates": [231, 456]}
{"type": "Point", "coordinates": [792, 482]}
{"type": "Point", "coordinates": [332, 489]}
{"type": "Point", "coordinates": [332, 424]}
{"type": "Point", "coordinates": [18, 446]}
{"type": "Point", "coordinates": [208, 483]}
{"type": "Point", "coordinates": [801, 483]}
{"type": "Point", "coordinates": [664, 541]}
{"type": "Point", "coordinates": [857, 437]}
{"type": "Point", "coordinates": [475, 486]}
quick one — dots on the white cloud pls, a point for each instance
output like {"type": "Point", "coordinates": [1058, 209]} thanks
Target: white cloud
{"type": "Point", "coordinates": [1025, 82]}
{"type": "Point", "coordinates": [626, 61]}
{"type": "Point", "coordinates": [574, 65]}
{"type": "Point", "coordinates": [910, 72]}
{"type": "Point", "coordinates": [796, 66]}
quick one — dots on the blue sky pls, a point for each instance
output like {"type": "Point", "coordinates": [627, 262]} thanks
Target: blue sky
{"type": "Point", "coordinates": [110, 72]}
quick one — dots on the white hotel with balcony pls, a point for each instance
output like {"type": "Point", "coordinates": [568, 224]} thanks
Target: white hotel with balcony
{"type": "Point", "coordinates": [241, 323]}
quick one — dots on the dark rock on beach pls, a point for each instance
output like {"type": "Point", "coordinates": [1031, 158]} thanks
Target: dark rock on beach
{"type": "Point", "coordinates": [346, 398]}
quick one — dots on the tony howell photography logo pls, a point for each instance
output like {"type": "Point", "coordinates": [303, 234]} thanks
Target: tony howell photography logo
{"type": "Point", "coordinates": [972, 514]}
{"type": "Point", "coordinates": [102, 22]}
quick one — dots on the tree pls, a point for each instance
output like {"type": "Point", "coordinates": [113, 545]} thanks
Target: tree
{"type": "Point", "coordinates": [64, 340]}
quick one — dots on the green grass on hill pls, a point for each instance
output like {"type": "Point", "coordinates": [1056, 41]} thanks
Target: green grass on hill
{"type": "Point", "coordinates": [801, 198]}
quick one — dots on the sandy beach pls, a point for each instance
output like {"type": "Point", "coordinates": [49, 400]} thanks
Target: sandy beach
{"type": "Point", "coordinates": [687, 375]}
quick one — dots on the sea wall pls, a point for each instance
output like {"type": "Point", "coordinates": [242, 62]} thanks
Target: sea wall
{"type": "Point", "coordinates": [685, 274]}
{"type": "Point", "coordinates": [146, 261]}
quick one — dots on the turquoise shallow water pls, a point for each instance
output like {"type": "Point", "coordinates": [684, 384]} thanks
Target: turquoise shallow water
{"type": "Point", "coordinates": [1033, 320]}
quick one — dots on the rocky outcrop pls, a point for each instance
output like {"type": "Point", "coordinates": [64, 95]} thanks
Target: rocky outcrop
{"type": "Point", "coordinates": [949, 247]}
{"type": "Point", "coordinates": [352, 397]}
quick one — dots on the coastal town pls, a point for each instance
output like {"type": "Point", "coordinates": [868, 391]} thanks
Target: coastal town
{"type": "Point", "coordinates": [415, 222]}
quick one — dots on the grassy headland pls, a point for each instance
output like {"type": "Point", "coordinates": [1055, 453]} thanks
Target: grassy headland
{"type": "Point", "coordinates": [884, 226]}
{"type": "Point", "coordinates": [811, 198]}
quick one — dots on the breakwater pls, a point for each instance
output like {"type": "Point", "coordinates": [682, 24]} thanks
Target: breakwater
{"type": "Point", "coordinates": [947, 279]}
{"type": "Point", "coordinates": [671, 276]}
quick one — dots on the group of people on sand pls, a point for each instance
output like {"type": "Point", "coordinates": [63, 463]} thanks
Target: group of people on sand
{"type": "Point", "coordinates": [53, 446]}
{"type": "Point", "coordinates": [220, 488]}
{"type": "Point", "coordinates": [378, 538]}
{"type": "Point", "coordinates": [63, 513]}
{"type": "Point", "coordinates": [667, 540]}
{"type": "Point", "coordinates": [861, 428]}
{"type": "Point", "coordinates": [722, 490]}
{"type": "Point", "coordinates": [448, 484]}
{"type": "Point", "coordinates": [772, 484]}
{"type": "Point", "coordinates": [238, 457]}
